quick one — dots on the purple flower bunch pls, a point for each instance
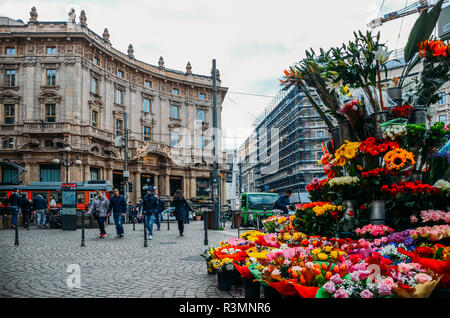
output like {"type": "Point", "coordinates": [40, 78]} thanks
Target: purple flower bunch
{"type": "Point", "coordinates": [401, 237]}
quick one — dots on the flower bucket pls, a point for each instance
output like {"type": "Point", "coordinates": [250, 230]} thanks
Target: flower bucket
{"type": "Point", "coordinates": [345, 132]}
{"type": "Point", "coordinates": [235, 278]}
{"type": "Point", "coordinates": [419, 115]}
{"type": "Point", "coordinates": [270, 292]}
{"type": "Point", "coordinates": [378, 118]}
{"type": "Point", "coordinates": [251, 289]}
{"type": "Point", "coordinates": [334, 132]}
{"type": "Point", "coordinates": [395, 93]}
{"type": "Point", "coordinates": [378, 212]}
{"type": "Point", "coordinates": [224, 280]}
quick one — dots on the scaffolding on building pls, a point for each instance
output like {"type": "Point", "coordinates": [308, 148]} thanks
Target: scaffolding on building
{"type": "Point", "coordinates": [289, 136]}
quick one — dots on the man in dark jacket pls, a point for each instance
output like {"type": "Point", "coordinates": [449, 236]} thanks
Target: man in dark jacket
{"type": "Point", "coordinates": [40, 205]}
{"type": "Point", "coordinates": [283, 202]}
{"type": "Point", "coordinates": [118, 205]}
{"type": "Point", "coordinates": [14, 204]}
{"type": "Point", "coordinates": [150, 208]}
{"type": "Point", "coordinates": [25, 209]}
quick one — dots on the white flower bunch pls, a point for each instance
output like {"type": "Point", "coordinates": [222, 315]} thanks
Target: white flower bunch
{"type": "Point", "coordinates": [339, 181]}
{"type": "Point", "coordinates": [394, 132]}
{"type": "Point", "coordinates": [391, 251]}
{"type": "Point", "coordinates": [442, 185]}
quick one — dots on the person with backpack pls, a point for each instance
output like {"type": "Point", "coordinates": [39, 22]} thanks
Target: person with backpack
{"type": "Point", "coordinates": [181, 209]}
{"type": "Point", "coordinates": [40, 205]}
{"type": "Point", "coordinates": [99, 209]}
{"type": "Point", "coordinates": [118, 206]}
{"type": "Point", "coordinates": [14, 204]}
{"type": "Point", "coordinates": [150, 208]}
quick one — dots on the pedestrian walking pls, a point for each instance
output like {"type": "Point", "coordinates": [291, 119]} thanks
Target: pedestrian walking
{"type": "Point", "coordinates": [181, 209]}
{"type": "Point", "coordinates": [118, 206]}
{"type": "Point", "coordinates": [14, 204]}
{"type": "Point", "coordinates": [25, 208]}
{"type": "Point", "coordinates": [158, 219]}
{"type": "Point", "coordinates": [150, 208]}
{"type": "Point", "coordinates": [40, 205]}
{"type": "Point", "coordinates": [99, 208]}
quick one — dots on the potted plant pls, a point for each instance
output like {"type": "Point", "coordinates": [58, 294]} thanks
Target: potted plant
{"type": "Point", "coordinates": [199, 215]}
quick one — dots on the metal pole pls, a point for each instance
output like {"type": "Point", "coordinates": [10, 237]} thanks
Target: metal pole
{"type": "Point", "coordinates": [205, 225]}
{"type": "Point", "coordinates": [16, 243]}
{"type": "Point", "coordinates": [215, 184]}
{"type": "Point", "coordinates": [125, 163]}
{"type": "Point", "coordinates": [168, 221]}
{"type": "Point", "coordinates": [82, 229]}
{"type": "Point", "coordinates": [145, 229]}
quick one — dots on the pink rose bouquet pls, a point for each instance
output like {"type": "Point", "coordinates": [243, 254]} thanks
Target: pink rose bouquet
{"type": "Point", "coordinates": [374, 230]}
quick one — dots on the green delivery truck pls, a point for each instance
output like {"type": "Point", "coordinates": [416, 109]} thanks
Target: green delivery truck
{"type": "Point", "coordinates": [256, 202]}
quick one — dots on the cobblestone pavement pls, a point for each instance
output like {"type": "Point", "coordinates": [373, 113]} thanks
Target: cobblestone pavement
{"type": "Point", "coordinates": [169, 267]}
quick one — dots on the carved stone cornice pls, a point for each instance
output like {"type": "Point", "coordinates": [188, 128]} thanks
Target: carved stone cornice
{"type": "Point", "coordinates": [29, 61]}
{"type": "Point", "coordinates": [70, 61]}
{"type": "Point", "coordinates": [52, 87]}
{"type": "Point", "coordinates": [175, 125]}
{"type": "Point", "coordinates": [50, 65]}
{"type": "Point", "coordinates": [96, 104]}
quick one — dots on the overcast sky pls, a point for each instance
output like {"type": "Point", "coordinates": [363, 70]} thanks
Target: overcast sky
{"type": "Point", "coordinates": [252, 40]}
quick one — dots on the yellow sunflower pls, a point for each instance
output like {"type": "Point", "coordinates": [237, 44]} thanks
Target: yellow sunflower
{"type": "Point", "coordinates": [398, 158]}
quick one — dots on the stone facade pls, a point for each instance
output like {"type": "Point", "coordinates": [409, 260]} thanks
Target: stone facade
{"type": "Point", "coordinates": [71, 88]}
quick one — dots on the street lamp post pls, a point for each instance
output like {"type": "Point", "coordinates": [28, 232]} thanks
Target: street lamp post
{"type": "Point", "coordinates": [66, 161]}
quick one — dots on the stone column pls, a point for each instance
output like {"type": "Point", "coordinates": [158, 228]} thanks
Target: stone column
{"type": "Point", "coordinates": [223, 190]}
{"type": "Point", "coordinates": [167, 185]}
{"type": "Point", "coordinates": [109, 175]}
{"type": "Point", "coordinates": [28, 173]}
{"type": "Point", "coordinates": [156, 183]}
{"type": "Point", "coordinates": [87, 173]}
{"type": "Point", "coordinates": [193, 187]}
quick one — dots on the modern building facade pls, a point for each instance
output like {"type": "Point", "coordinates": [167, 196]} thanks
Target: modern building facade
{"type": "Point", "coordinates": [232, 181]}
{"type": "Point", "coordinates": [286, 146]}
{"type": "Point", "coordinates": [66, 92]}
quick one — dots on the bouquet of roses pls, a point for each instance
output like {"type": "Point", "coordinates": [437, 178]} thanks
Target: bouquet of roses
{"type": "Point", "coordinates": [359, 285]}
{"type": "Point", "coordinates": [276, 223]}
{"type": "Point", "coordinates": [373, 230]}
{"type": "Point", "coordinates": [412, 280]}
{"type": "Point", "coordinates": [353, 112]}
{"type": "Point", "coordinates": [434, 233]}
{"type": "Point", "coordinates": [402, 111]}
{"type": "Point", "coordinates": [432, 216]}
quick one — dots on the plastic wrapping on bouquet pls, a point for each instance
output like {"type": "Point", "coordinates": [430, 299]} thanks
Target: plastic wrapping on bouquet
{"type": "Point", "coordinates": [379, 118]}
{"type": "Point", "coordinates": [378, 212]}
{"type": "Point", "coordinates": [395, 93]}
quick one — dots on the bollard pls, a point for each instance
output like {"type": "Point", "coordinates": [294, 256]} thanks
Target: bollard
{"type": "Point", "coordinates": [168, 221]}
{"type": "Point", "coordinates": [145, 230]}
{"type": "Point", "coordinates": [205, 225]}
{"type": "Point", "coordinates": [82, 229]}
{"type": "Point", "coordinates": [16, 243]}
{"type": "Point", "coordinates": [134, 223]}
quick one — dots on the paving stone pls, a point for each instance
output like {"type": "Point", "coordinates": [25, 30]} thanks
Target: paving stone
{"type": "Point", "coordinates": [169, 267]}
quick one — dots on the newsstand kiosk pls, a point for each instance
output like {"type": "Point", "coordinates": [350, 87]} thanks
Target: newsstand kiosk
{"type": "Point", "coordinates": [69, 206]}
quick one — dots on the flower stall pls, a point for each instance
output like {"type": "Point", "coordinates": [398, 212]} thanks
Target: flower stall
{"type": "Point", "coordinates": [378, 225]}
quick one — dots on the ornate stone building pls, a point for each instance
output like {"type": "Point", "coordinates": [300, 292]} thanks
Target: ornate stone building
{"type": "Point", "coordinates": [66, 92]}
